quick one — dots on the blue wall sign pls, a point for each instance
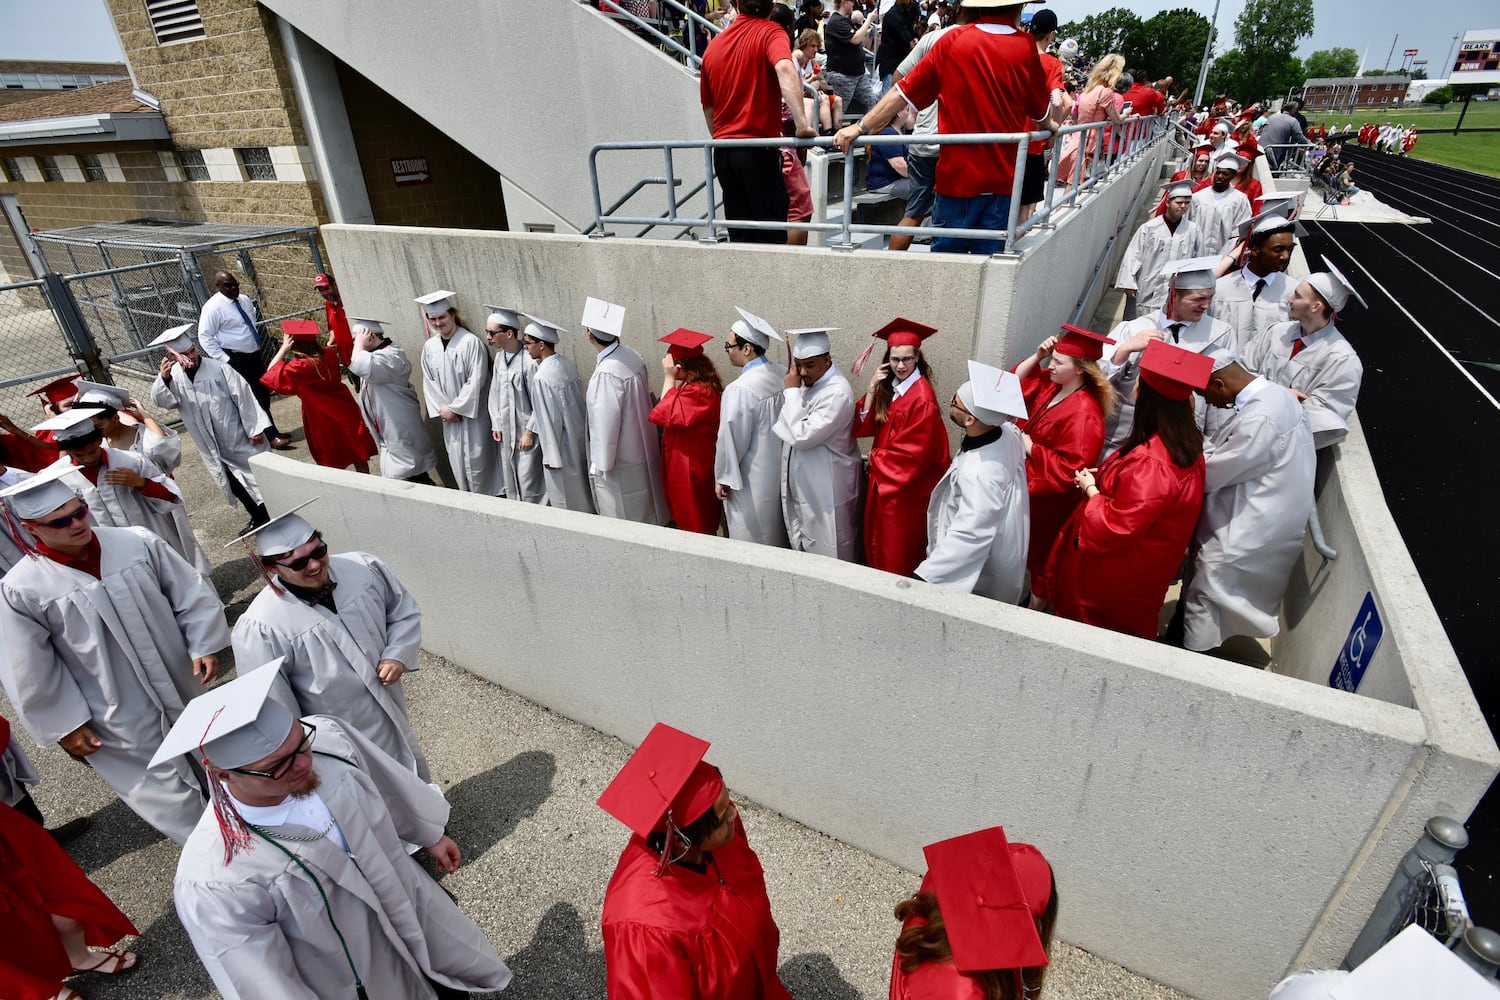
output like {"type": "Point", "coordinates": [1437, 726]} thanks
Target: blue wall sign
{"type": "Point", "coordinates": [1359, 649]}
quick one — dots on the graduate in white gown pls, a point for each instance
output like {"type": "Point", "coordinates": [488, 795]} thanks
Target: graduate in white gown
{"type": "Point", "coordinates": [296, 884]}
{"type": "Point", "coordinates": [10, 551]}
{"type": "Point", "coordinates": [979, 518]}
{"type": "Point", "coordinates": [344, 629]}
{"type": "Point", "coordinates": [624, 449]}
{"type": "Point", "coordinates": [747, 460]}
{"type": "Point", "coordinates": [1257, 497]}
{"type": "Point", "coordinates": [455, 382]}
{"type": "Point", "coordinates": [559, 420]}
{"type": "Point", "coordinates": [108, 634]}
{"type": "Point", "coordinates": [510, 407]}
{"type": "Point", "coordinates": [1221, 208]}
{"type": "Point", "coordinates": [389, 404]}
{"type": "Point", "coordinates": [1160, 240]}
{"type": "Point", "coordinates": [1253, 295]}
{"type": "Point", "coordinates": [820, 463]}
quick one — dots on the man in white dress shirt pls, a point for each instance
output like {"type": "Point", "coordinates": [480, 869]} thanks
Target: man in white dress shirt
{"type": "Point", "coordinates": [624, 450]}
{"type": "Point", "coordinates": [747, 461]}
{"type": "Point", "coordinates": [228, 332]}
{"type": "Point", "coordinates": [510, 407]}
{"type": "Point", "coordinates": [559, 420]}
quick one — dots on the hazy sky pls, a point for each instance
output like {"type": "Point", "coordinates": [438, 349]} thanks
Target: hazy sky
{"type": "Point", "coordinates": [80, 29]}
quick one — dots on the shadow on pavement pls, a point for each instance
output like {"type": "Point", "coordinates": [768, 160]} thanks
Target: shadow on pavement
{"type": "Point", "coordinates": [487, 807]}
{"type": "Point", "coordinates": [168, 968]}
{"type": "Point", "coordinates": [114, 833]}
{"type": "Point", "coordinates": [813, 976]}
{"type": "Point", "coordinates": [557, 963]}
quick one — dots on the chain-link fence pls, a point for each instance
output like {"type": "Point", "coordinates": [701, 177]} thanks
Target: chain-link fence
{"type": "Point", "coordinates": [35, 350]}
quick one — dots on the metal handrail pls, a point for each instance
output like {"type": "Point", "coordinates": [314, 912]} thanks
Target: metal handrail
{"type": "Point", "coordinates": [635, 189]}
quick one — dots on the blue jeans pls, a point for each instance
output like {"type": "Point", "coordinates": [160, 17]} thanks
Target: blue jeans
{"type": "Point", "coordinates": [986, 211]}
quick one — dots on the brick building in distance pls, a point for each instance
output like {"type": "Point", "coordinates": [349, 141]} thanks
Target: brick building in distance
{"type": "Point", "coordinates": [1350, 93]}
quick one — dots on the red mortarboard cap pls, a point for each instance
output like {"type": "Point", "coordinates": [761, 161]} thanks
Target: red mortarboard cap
{"type": "Point", "coordinates": [905, 333]}
{"type": "Point", "coordinates": [301, 329]}
{"type": "Point", "coordinates": [1085, 345]}
{"type": "Point", "coordinates": [684, 343]}
{"type": "Point", "coordinates": [991, 893]}
{"type": "Point", "coordinates": [1173, 371]}
{"type": "Point", "coordinates": [58, 390]}
{"type": "Point", "coordinates": [666, 774]}
{"type": "Point", "coordinates": [322, 281]}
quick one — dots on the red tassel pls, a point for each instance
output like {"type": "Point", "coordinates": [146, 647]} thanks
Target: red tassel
{"type": "Point", "coordinates": [265, 573]}
{"type": "Point", "coordinates": [231, 825]}
{"type": "Point", "coordinates": [858, 368]}
{"type": "Point", "coordinates": [17, 533]}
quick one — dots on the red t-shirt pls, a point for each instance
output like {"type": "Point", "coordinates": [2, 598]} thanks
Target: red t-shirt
{"type": "Point", "coordinates": [1052, 69]}
{"type": "Point", "coordinates": [1145, 100]}
{"type": "Point", "coordinates": [739, 82]}
{"type": "Point", "coordinates": [990, 80]}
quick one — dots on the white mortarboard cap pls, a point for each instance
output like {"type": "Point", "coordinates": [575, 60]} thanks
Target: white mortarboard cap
{"type": "Point", "coordinates": [373, 325]}
{"type": "Point", "coordinates": [236, 723]}
{"type": "Point", "coordinates": [603, 317]}
{"type": "Point", "coordinates": [70, 425]}
{"type": "Point", "coordinates": [992, 395]}
{"type": "Point", "coordinates": [436, 303]}
{"type": "Point", "coordinates": [754, 329]}
{"type": "Point", "coordinates": [504, 316]}
{"type": "Point", "coordinates": [1287, 203]}
{"type": "Point", "coordinates": [1222, 357]}
{"type": "Point", "coordinates": [1334, 287]}
{"type": "Point", "coordinates": [1179, 189]}
{"type": "Point", "coordinates": [1270, 222]}
{"type": "Point", "coordinates": [811, 341]}
{"type": "Point", "coordinates": [1413, 964]}
{"type": "Point", "coordinates": [176, 339]}
{"type": "Point", "coordinates": [99, 394]}
{"type": "Point", "coordinates": [1230, 161]}
{"type": "Point", "coordinates": [282, 533]}
{"type": "Point", "coordinates": [33, 499]}
{"type": "Point", "coordinates": [1192, 272]}
{"type": "Point", "coordinates": [540, 329]}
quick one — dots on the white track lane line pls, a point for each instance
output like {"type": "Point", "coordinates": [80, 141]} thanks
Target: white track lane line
{"type": "Point", "coordinates": [1470, 192]}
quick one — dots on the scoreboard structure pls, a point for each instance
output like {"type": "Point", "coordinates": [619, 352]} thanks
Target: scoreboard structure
{"type": "Point", "coordinates": [1478, 58]}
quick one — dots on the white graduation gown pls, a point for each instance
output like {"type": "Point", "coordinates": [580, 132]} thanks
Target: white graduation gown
{"type": "Point", "coordinates": [1257, 497]}
{"type": "Point", "coordinates": [1207, 332]}
{"type": "Point", "coordinates": [16, 772]}
{"type": "Point", "coordinates": [10, 553]}
{"type": "Point", "coordinates": [1219, 218]}
{"type": "Point", "coordinates": [1249, 317]}
{"type": "Point", "coordinates": [116, 654]}
{"type": "Point", "coordinates": [748, 456]}
{"type": "Point", "coordinates": [222, 416]}
{"type": "Point", "coordinates": [457, 377]}
{"type": "Point", "coordinates": [331, 659]}
{"type": "Point", "coordinates": [1151, 248]}
{"type": "Point", "coordinates": [510, 412]}
{"type": "Point", "coordinates": [1326, 369]}
{"type": "Point", "coordinates": [165, 452]}
{"type": "Point", "coordinates": [389, 406]}
{"type": "Point", "coordinates": [624, 449]}
{"type": "Point", "coordinates": [259, 925]}
{"type": "Point", "coordinates": [560, 423]}
{"type": "Point", "coordinates": [820, 467]}
{"type": "Point", "coordinates": [979, 521]}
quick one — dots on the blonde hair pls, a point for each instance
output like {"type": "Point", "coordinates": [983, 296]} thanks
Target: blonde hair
{"type": "Point", "coordinates": [1106, 71]}
{"type": "Point", "coordinates": [808, 37]}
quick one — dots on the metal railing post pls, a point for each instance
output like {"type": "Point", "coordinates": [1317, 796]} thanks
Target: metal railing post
{"type": "Point", "coordinates": [75, 331]}
{"type": "Point", "coordinates": [598, 197]}
{"type": "Point", "coordinates": [846, 235]}
{"type": "Point", "coordinates": [671, 184]}
{"type": "Point", "coordinates": [708, 172]}
{"type": "Point", "coordinates": [1440, 841]}
{"type": "Point", "coordinates": [1014, 215]}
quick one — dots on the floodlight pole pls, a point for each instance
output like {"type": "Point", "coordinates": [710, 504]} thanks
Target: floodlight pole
{"type": "Point", "coordinates": [1208, 49]}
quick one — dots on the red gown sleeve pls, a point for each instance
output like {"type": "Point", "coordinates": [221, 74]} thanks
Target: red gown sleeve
{"type": "Point", "coordinates": [647, 963]}
{"type": "Point", "coordinates": [916, 448]}
{"type": "Point", "coordinates": [1073, 442]}
{"type": "Point", "coordinates": [281, 377]}
{"type": "Point", "coordinates": [686, 405]}
{"type": "Point", "coordinates": [1141, 491]}
{"type": "Point", "coordinates": [339, 332]}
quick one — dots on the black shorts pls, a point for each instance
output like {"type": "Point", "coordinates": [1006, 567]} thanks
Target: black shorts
{"type": "Point", "coordinates": [1034, 184]}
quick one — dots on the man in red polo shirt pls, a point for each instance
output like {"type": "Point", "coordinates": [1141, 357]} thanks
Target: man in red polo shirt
{"type": "Point", "coordinates": [990, 80]}
{"type": "Point", "coordinates": [747, 74]}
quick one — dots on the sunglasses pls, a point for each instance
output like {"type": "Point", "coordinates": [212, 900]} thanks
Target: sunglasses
{"type": "Point", "coordinates": [281, 765]}
{"type": "Point", "coordinates": [67, 519]}
{"type": "Point", "coordinates": [300, 563]}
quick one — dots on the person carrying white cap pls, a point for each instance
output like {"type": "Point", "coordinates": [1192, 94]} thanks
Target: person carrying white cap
{"type": "Point", "coordinates": [1310, 356]}
{"type": "Point", "coordinates": [1160, 240]}
{"type": "Point", "coordinates": [1221, 208]}
{"type": "Point", "coordinates": [105, 630]}
{"type": "Point", "coordinates": [747, 458]}
{"type": "Point", "coordinates": [388, 403]}
{"type": "Point", "coordinates": [1253, 297]}
{"type": "Point", "coordinates": [455, 380]}
{"type": "Point", "coordinates": [1257, 497]}
{"type": "Point", "coordinates": [820, 462]}
{"type": "Point", "coordinates": [979, 518]}
{"type": "Point", "coordinates": [510, 408]}
{"type": "Point", "coordinates": [624, 452]}
{"type": "Point", "coordinates": [558, 419]}
{"type": "Point", "coordinates": [220, 413]}
{"type": "Point", "coordinates": [296, 882]}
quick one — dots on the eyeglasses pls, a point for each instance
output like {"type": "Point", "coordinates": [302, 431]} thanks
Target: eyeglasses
{"type": "Point", "coordinates": [732, 345]}
{"type": "Point", "coordinates": [903, 362]}
{"type": "Point", "coordinates": [300, 563]}
{"type": "Point", "coordinates": [67, 519]}
{"type": "Point", "coordinates": [281, 765]}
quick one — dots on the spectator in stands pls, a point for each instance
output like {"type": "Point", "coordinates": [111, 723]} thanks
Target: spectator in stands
{"type": "Point", "coordinates": [389, 404]}
{"type": "Point", "coordinates": [979, 517]}
{"type": "Point", "coordinates": [1221, 208]}
{"type": "Point", "coordinates": [889, 168]}
{"type": "Point", "coordinates": [559, 419]}
{"type": "Point", "coordinates": [991, 81]}
{"type": "Point", "coordinates": [845, 67]}
{"type": "Point", "coordinates": [1282, 131]}
{"type": "Point", "coordinates": [1345, 182]}
{"type": "Point", "coordinates": [688, 415]}
{"type": "Point", "coordinates": [747, 460]}
{"type": "Point", "coordinates": [1098, 102]}
{"type": "Point", "coordinates": [1043, 28]}
{"type": "Point", "coordinates": [899, 28]}
{"type": "Point", "coordinates": [1124, 545]}
{"type": "Point", "coordinates": [747, 73]}
{"type": "Point", "coordinates": [1145, 99]}
{"type": "Point", "coordinates": [980, 925]}
{"type": "Point", "coordinates": [830, 106]}
{"type": "Point", "coordinates": [1068, 405]}
{"type": "Point", "coordinates": [820, 460]}
{"type": "Point", "coordinates": [1159, 241]}
{"type": "Point", "coordinates": [331, 421]}
{"type": "Point", "coordinates": [810, 19]}
{"type": "Point", "coordinates": [910, 454]}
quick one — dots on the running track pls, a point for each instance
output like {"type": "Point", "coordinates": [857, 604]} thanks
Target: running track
{"type": "Point", "coordinates": [1431, 413]}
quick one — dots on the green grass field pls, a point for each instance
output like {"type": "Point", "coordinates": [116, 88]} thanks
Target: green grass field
{"type": "Point", "coordinates": [1479, 151]}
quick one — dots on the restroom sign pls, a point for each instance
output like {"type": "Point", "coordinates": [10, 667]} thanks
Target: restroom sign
{"type": "Point", "coordinates": [411, 170]}
{"type": "Point", "coordinates": [1359, 649]}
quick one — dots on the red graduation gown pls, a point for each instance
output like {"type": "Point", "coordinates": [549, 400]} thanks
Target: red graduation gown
{"type": "Point", "coordinates": [1064, 439]}
{"type": "Point", "coordinates": [686, 936]}
{"type": "Point", "coordinates": [335, 431]}
{"type": "Point", "coordinates": [18, 453]}
{"type": "Point", "coordinates": [931, 980]}
{"type": "Point", "coordinates": [689, 417]}
{"type": "Point", "coordinates": [909, 457]}
{"type": "Point", "coordinates": [1121, 550]}
{"type": "Point", "coordinates": [339, 332]}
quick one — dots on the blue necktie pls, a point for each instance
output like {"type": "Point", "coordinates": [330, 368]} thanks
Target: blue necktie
{"type": "Point", "coordinates": [251, 325]}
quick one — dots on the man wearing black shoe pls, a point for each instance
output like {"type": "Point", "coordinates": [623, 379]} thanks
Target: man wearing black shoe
{"type": "Point", "coordinates": [228, 332]}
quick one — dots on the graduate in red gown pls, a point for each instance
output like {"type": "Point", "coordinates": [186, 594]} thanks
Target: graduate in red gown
{"type": "Point", "coordinates": [1069, 403]}
{"type": "Point", "coordinates": [900, 411]}
{"type": "Point", "coordinates": [686, 916]}
{"type": "Point", "coordinates": [1123, 547]}
{"type": "Point", "coordinates": [335, 431]}
{"type": "Point", "coordinates": [689, 417]}
{"type": "Point", "coordinates": [56, 397]}
{"type": "Point", "coordinates": [50, 913]}
{"type": "Point", "coordinates": [340, 337]}
{"type": "Point", "coordinates": [980, 926]}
